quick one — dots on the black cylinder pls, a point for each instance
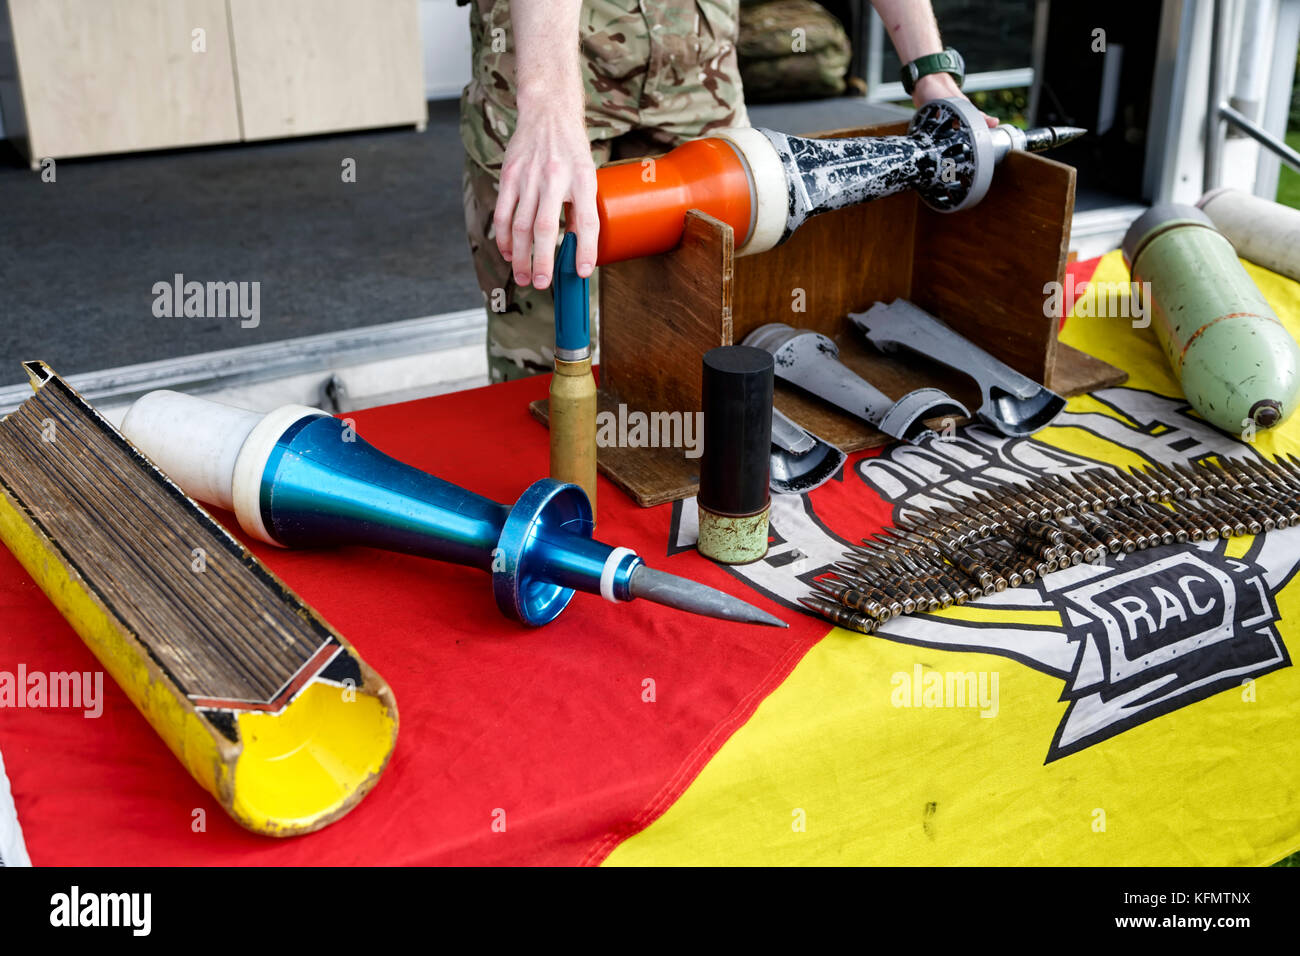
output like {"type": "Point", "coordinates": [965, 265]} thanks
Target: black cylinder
{"type": "Point", "coordinates": [737, 430]}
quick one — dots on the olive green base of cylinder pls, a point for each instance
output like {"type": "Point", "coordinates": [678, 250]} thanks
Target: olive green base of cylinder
{"type": "Point", "coordinates": [733, 539]}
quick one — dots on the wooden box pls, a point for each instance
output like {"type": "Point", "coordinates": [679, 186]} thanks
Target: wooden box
{"type": "Point", "coordinates": [983, 271]}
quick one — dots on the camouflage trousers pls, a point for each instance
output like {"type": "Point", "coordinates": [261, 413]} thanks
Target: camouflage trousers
{"type": "Point", "coordinates": [656, 73]}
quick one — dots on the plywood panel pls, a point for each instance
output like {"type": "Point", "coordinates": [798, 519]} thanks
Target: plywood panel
{"type": "Point", "coordinates": [316, 66]}
{"type": "Point", "coordinates": [102, 76]}
{"type": "Point", "coordinates": [983, 270]}
{"type": "Point", "coordinates": [660, 314]}
{"type": "Point", "coordinates": [838, 262]}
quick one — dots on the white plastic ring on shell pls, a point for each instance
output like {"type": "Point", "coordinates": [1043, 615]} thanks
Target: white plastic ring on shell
{"type": "Point", "coordinates": [607, 572]}
{"type": "Point", "coordinates": [769, 189]}
{"type": "Point", "coordinates": [251, 464]}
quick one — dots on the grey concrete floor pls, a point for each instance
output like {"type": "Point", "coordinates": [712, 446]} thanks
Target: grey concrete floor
{"type": "Point", "coordinates": [79, 257]}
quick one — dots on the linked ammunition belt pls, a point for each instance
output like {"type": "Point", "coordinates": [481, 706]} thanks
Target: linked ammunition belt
{"type": "Point", "coordinates": [1004, 537]}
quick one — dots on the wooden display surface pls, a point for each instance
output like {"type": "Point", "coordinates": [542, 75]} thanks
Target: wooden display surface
{"type": "Point", "coordinates": [982, 271]}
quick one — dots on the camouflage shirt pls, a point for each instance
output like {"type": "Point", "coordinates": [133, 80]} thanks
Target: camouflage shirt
{"type": "Point", "coordinates": [666, 65]}
{"type": "Point", "coordinates": [656, 73]}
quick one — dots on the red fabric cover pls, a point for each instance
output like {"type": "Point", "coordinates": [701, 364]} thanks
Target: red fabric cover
{"type": "Point", "coordinates": [547, 724]}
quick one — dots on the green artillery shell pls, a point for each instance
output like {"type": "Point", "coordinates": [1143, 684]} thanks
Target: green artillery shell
{"type": "Point", "coordinates": [1236, 362]}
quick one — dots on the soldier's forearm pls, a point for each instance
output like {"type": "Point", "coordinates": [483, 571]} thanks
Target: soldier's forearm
{"type": "Point", "coordinates": [915, 33]}
{"type": "Point", "coordinates": [911, 26]}
{"type": "Point", "coordinates": [546, 54]}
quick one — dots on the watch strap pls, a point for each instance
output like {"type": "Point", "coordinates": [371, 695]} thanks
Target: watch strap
{"type": "Point", "coordinates": [949, 61]}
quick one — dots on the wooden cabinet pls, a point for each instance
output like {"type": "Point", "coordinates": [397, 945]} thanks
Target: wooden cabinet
{"type": "Point", "coordinates": [316, 66]}
{"type": "Point", "coordinates": [80, 77]}
{"type": "Point", "coordinates": [106, 76]}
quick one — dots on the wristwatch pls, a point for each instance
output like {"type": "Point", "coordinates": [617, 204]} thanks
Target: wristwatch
{"type": "Point", "coordinates": [949, 61]}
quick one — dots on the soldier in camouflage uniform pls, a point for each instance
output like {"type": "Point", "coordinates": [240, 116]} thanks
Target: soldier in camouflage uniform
{"type": "Point", "coordinates": [653, 74]}
{"type": "Point", "coordinates": [656, 73]}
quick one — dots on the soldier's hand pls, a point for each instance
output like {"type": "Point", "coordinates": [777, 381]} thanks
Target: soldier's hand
{"type": "Point", "coordinates": [547, 166]}
{"type": "Point", "coordinates": [941, 86]}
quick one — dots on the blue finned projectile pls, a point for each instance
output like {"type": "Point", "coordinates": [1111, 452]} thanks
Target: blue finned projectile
{"type": "Point", "coordinates": [299, 477]}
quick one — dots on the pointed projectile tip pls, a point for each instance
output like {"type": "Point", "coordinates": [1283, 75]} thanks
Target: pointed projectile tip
{"type": "Point", "coordinates": [1049, 137]}
{"type": "Point", "coordinates": [686, 595]}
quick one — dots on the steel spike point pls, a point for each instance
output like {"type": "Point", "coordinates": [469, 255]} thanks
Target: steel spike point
{"type": "Point", "coordinates": [1042, 138]}
{"type": "Point", "coordinates": [686, 595]}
